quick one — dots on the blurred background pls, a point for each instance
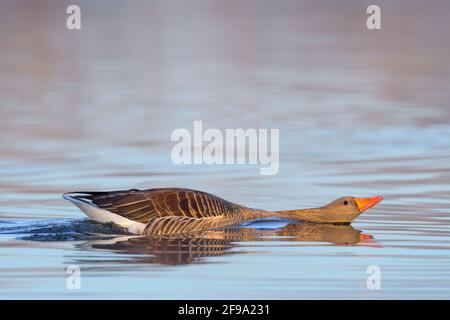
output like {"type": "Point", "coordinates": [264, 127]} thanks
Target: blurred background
{"type": "Point", "coordinates": [361, 112]}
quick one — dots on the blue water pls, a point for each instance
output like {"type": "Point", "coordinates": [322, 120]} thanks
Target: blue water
{"type": "Point", "coordinates": [360, 113]}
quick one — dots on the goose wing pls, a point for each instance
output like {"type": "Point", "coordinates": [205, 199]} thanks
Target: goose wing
{"type": "Point", "coordinates": [145, 205]}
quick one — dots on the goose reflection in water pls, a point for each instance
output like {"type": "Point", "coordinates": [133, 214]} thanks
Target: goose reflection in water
{"type": "Point", "coordinates": [179, 250]}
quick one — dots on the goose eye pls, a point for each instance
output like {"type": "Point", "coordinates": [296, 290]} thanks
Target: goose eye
{"type": "Point", "coordinates": [345, 202]}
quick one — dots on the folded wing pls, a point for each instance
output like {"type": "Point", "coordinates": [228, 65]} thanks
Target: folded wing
{"type": "Point", "coordinates": [145, 205]}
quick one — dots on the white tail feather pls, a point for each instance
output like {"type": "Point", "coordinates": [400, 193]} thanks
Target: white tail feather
{"type": "Point", "coordinates": [104, 216]}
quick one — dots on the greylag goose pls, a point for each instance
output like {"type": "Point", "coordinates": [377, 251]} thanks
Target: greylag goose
{"type": "Point", "coordinates": [168, 211]}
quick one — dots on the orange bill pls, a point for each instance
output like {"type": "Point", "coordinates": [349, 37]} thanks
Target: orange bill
{"type": "Point", "coordinates": [366, 203]}
{"type": "Point", "coordinates": [364, 237]}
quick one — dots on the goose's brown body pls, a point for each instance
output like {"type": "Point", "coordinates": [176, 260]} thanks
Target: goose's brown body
{"type": "Point", "coordinates": [173, 210]}
{"type": "Point", "coordinates": [168, 211]}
